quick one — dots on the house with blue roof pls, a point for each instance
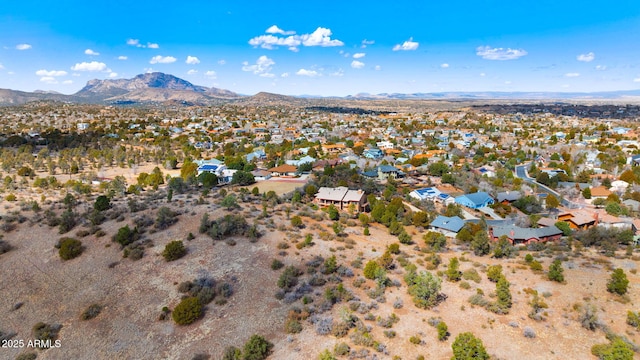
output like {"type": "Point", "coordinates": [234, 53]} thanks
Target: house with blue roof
{"type": "Point", "coordinates": [256, 155]}
{"type": "Point", "coordinates": [447, 225]}
{"type": "Point", "coordinates": [429, 193]}
{"type": "Point", "coordinates": [475, 200]}
{"type": "Point", "coordinates": [216, 169]}
{"type": "Point", "coordinates": [383, 172]}
{"type": "Point", "coordinates": [374, 153]}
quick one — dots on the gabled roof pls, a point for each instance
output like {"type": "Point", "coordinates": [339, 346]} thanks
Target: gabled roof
{"type": "Point", "coordinates": [509, 196]}
{"type": "Point", "coordinates": [454, 223]}
{"type": "Point", "coordinates": [284, 169]}
{"type": "Point", "coordinates": [476, 198]}
{"type": "Point", "coordinates": [517, 233]}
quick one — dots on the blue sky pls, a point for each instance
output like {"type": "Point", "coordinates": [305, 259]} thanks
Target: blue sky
{"type": "Point", "coordinates": [329, 48]}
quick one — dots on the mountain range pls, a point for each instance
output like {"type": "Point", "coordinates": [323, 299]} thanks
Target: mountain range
{"type": "Point", "coordinates": [158, 87]}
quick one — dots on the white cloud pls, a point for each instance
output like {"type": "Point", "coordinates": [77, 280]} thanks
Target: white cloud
{"type": "Point", "coordinates": [637, 80]}
{"type": "Point", "coordinates": [276, 30]}
{"type": "Point", "coordinates": [338, 73]}
{"type": "Point", "coordinates": [357, 64]}
{"type": "Point", "coordinates": [91, 52]}
{"type": "Point", "coordinates": [359, 55]}
{"type": "Point", "coordinates": [122, 57]}
{"type": "Point", "coordinates": [508, 82]}
{"type": "Point", "coordinates": [320, 37]}
{"type": "Point", "coordinates": [49, 80]}
{"type": "Point", "coordinates": [378, 67]}
{"type": "Point", "coordinates": [68, 82]}
{"type": "Point", "coordinates": [192, 72]}
{"type": "Point", "coordinates": [601, 67]}
{"type": "Point", "coordinates": [113, 74]}
{"type": "Point", "coordinates": [309, 73]}
{"type": "Point", "coordinates": [211, 74]}
{"type": "Point", "coordinates": [366, 43]}
{"type": "Point", "coordinates": [89, 66]}
{"type": "Point", "coordinates": [23, 46]}
{"type": "Point", "coordinates": [483, 74]}
{"type": "Point", "coordinates": [192, 60]}
{"type": "Point", "coordinates": [588, 57]}
{"type": "Point", "coordinates": [222, 62]}
{"type": "Point", "coordinates": [572, 74]}
{"type": "Point", "coordinates": [489, 53]}
{"type": "Point", "coordinates": [159, 59]}
{"type": "Point", "coordinates": [285, 75]}
{"type": "Point", "coordinates": [136, 43]}
{"type": "Point", "coordinates": [444, 66]}
{"type": "Point", "coordinates": [1, 67]}
{"type": "Point", "coordinates": [51, 73]}
{"type": "Point", "coordinates": [407, 45]}
{"type": "Point", "coordinates": [262, 67]}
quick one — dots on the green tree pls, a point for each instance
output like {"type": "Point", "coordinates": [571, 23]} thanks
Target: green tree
{"type": "Point", "coordinates": [502, 248]}
{"type": "Point", "coordinates": [618, 283]}
{"type": "Point", "coordinates": [102, 203]}
{"type": "Point", "coordinates": [208, 180]}
{"type": "Point", "coordinates": [333, 213]}
{"type": "Point", "coordinates": [586, 193]}
{"type": "Point", "coordinates": [174, 250]}
{"type": "Point", "coordinates": [165, 218]}
{"type": "Point", "coordinates": [468, 347]}
{"type": "Point", "coordinates": [187, 311]}
{"type": "Point", "coordinates": [256, 348]}
{"type": "Point", "coordinates": [453, 270]}
{"type": "Point", "coordinates": [564, 227]}
{"type": "Point", "coordinates": [229, 202]}
{"type": "Point", "coordinates": [556, 271]}
{"type": "Point", "coordinates": [504, 294]}
{"type": "Point", "coordinates": [618, 349]}
{"type": "Point", "coordinates": [296, 221]}
{"type": "Point", "coordinates": [435, 240]}
{"type": "Point", "coordinates": [552, 202]}
{"type": "Point", "coordinates": [189, 171]}
{"type": "Point", "coordinates": [480, 244]}
{"type": "Point", "coordinates": [243, 178]}
{"type": "Point", "coordinates": [424, 287]}
{"type": "Point", "coordinates": [370, 269]}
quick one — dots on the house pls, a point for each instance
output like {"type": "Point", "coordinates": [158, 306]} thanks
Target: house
{"type": "Point", "coordinates": [283, 170]}
{"type": "Point", "coordinates": [618, 186]}
{"type": "Point", "coordinates": [373, 153]}
{"type": "Point", "coordinates": [433, 194]}
{"type": "Point", "coordinates": [217, 170]}
{"type": "Point", "coordinates": [475, 200]}
{"type": "Point", "coordinates": [517, 235]}
{"type": "Point", "coordinates": [632, 205]}
{"type": "Point", "coordinates": [261, 174]}
{"type": "Point", "coordinates": [485, 170]}
{"type": "Point", "coordinates": [447, 225]}
{"type": "Point", "coordinates": [303, 160]}
{"type": "Point", "coordinates": [507, 197]}
{"type": "Point", "coordinates": [384, 172]}
{"type": "Point", "coordinates": [600, 192]}
{"type": "Point", "coordinates": [341, 197]}
{"type": "Point", "coordinates": [578, 220]}
{"type": "Point", "coordinates": [621, 223]}
{"type": "Point", "coordinates": [634, 160]}
{"type": "Point", "coordinates": [256, 155]}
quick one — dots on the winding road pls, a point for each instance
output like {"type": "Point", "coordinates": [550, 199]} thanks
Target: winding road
{"type": "Point", "coordinates": [521, 172]}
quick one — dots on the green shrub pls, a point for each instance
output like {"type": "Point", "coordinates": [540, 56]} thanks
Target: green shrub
{"type": "Point", "coordinates": [174, 250]}
{"type": "Point", "coordinates": [42, 331]}
{"type": "Point", "coordinates": [618, 283]}
{"type": "Point", "coordinates": [556, 271]}
{"type": "Point", "coordinates": [276, 264]}
{"type": "Point", "coordinates": [188, 311]}
{"type": "Point", "coordinates": [256, 348]}
{"type": "Point", "coordinates": [443, 331]}
{"type": "Point", "coordinates": [69, 248]}
{"type": "Point", "coordinates": [494, 273]}
{"type": "Point", "coordinates": [467, 346]}
{"type": "Point", "coordinates": [91, 312]}
{"type": "Point", "coordinates": [126, 236]}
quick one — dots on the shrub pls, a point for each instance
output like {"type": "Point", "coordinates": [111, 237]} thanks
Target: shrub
{"type": "Point", "coordinates": [589, 317]}
{"type": "Point", "coordinates": [69, 248]}
{"type": "Point", "coordinates": [165, 218]}
{"type": "Point", "coordinates": [42, 331]}
{"type": "Point", "coordinates": [415, 340]}
{"type": "Point", "coordinates": [504, 294]}
{"type": "Point", "coordinates": [618, 349]}
{"type": "Point", "coordinates": [472, 275]}
{"type": "Point", "coordinates": [102, 203]}
{"type": "Point", "coordinates": [371, 269]}
{"type": "Point", "coordinates": [326, 355]}
{"type": "Point", "coordinates": [528, 258]}
{"type": "Point", "coordinates": [91, 312]}
{"type": "Point", "coordinates": [467, 346]}
{"type": "Point", "coordinates": [529, 333]}
{"type": "Point", "coordinates": [618, 283]}
{"type": "Point", "coordinates": [256, 348]}
{"type": "Point", "coordinates": [535, 265]}
{"type": "Point", "coordinates": [443, 331]}
{"type": "Point", "coordinates": [126, 236]}
{"type": "Point", "coordinates": [276, 264]}
{"type": "Point", "coordinates": [633, 319]}
{"type": "Point", "coordinates": [424, 287]}
{"type": "Point", "coordinates": [341, 349]}
{"type": "Point", "coordinates": [289, 277]}
{"type": "Point", "coordinates": [494, 273]}
{"type": "Point", "coordinates": [188, 311]}
{"type": "Point", "coordinates": [556, 271]}
{"type": "Point", "coordinates": [232, 353]}
{"type": "Point", "coordinates": [4, 247]}
{"type": "Point", "coordinates": [27, 356]}
{"type": "Point", "coordinates": [453, 273]}
{"type": "Point", "coordinates": [296, 222]}
{"type": "Point", "coordinates": [174, 250]}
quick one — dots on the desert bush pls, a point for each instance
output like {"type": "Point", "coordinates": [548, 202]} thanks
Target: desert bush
{"type": "Point", "coordinates": [341, 349]}
{"type": "Point", "coordinates": [256, 348]}
{"type": "Point", "coordinates": [494, 273]}
{"type": "Point", "coordinates": [27, 356]}
{"type": "Point", "coordinates": [43, 331]}
{"type": "Point", "coordinates": [633, 319]}
{"type": "Point", "coordinates": [326, 355]}
{"type": "Point", "coordinates": [618, 349]}
{"type": "Point", "coordinates": [91, 312]}
{"type": "Point", "coordinates": [187, 311]}
{"type": "Point", "coordinates": [67, 221]}
{"type": "Point", "coordinates": [529, 333]}
{"type": "Point", "coordinates": [102, 203]}
{"type": "Point", "coordinates": [424, 287]}
{"type": "Point", "coordinates": [415, 339]}
{"type": "Point", "coordinates": [126, 236]}
{"type": "Point", "coordinates": [174, 250]}
{"type": "Point", "coordinates": [556, 271]}
{"type": "Point", "coordinates": [276, 264]}
{"type": "Point", "coordinates": [589, 317]}
{"type": "Point", "coordinates": [5, 247]}
{"type": "Point", "coordinates": [467, 346]}
{"type": "Point", "coordinates": [69, 248]}
{"type": "Point", "coordinates": [165, 218]}
{"type": "Point", "coordinates": [535, 265]}
{"type": "Point", "coordinates": [289, 277]}
{"type": "Point", "coordinates": [618, 282]}
{"type": "Point", "coordinates": [443, 331]}
{"type": "Point", "coordinates": [453, 270]}
{"type": "Point", "coordinates": [472, 275]}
